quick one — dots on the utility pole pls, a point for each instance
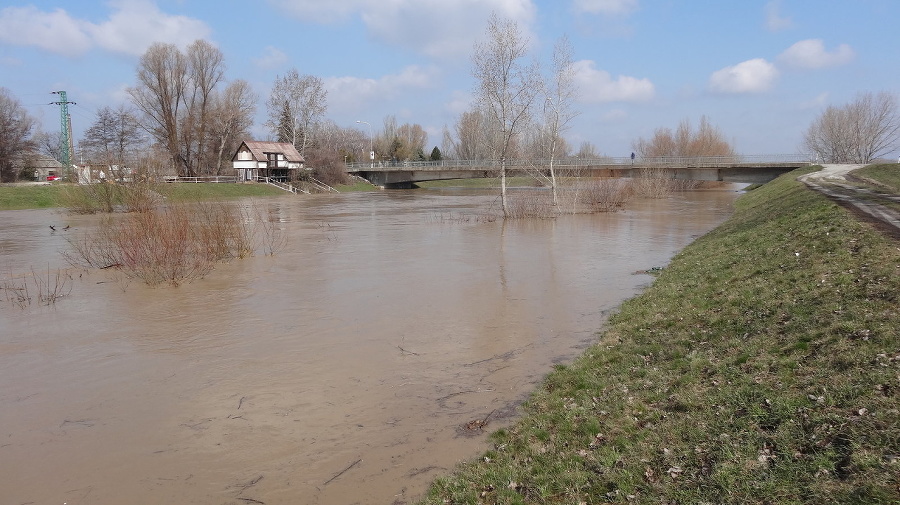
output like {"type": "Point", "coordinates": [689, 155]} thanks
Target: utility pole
{"type": "Point", "coordinates": [65, 129]}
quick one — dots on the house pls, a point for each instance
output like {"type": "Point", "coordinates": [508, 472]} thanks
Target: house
{"type": "Point", "coordinates": [45, 168]}
{"type": "Point", "coordinates": [276, 160]}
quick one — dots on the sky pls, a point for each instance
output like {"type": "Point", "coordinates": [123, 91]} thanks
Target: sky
{"type": "Point", "coordinates": [761, 71]}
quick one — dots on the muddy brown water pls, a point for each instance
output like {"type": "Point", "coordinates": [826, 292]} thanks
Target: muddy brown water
{"type": "Point", "coordinates": [342, 370]}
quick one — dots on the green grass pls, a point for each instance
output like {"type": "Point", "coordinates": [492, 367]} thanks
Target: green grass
{"type": "Point", "coordinates": [760, 367]}
{"type": "Point", "coordinates": [886, 175]}
{"type": "Point", "coordinates": [30, 197]}
{"type": "Point", "coordinates": [53, 195]}
{"type": "Point", "coordinates": [211, 191]}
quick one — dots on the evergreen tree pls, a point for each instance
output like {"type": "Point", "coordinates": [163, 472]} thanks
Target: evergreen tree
{"type": "Point", "coordinates": [435, 154]}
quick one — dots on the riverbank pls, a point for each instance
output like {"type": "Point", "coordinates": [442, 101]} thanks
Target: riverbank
{"type": "Point", "coordinates": [761, 367]}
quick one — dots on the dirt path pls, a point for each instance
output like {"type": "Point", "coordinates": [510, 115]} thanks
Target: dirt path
{"type": "Point", "coordinates": [835, 181]}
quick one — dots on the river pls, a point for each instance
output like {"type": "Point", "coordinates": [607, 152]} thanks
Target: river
{"type": "Point", "coordinates": [347, 368]}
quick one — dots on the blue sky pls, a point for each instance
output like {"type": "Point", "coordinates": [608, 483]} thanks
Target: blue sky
{"type": "Point", "coordinates": [761, 71]}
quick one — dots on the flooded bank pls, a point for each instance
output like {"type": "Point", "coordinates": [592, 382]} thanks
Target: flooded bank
{"type": "Point", "coordinates": [354, 366]}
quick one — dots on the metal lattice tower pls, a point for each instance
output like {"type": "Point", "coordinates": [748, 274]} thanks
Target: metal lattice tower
{"type": "Point", "coordinates": [65, 129]}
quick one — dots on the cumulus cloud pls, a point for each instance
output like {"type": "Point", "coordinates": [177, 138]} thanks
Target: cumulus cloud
{"type": "Point", "coordinates": [606, 7]}
{"type": "Point", "coordinates": [751, 76]}
{"type": "Point", "coordinates": [774, 21]}
{"type": "Point", "coordinates": [599, 86]}
{"type": "Point", "coordinates": [131, 28]}
{"type": "Point", "coordinates": [811, 54]}
{"type": "Point", "coordinates": [54, 31]}
{"type": "Point", "coordinates": [437, 28]}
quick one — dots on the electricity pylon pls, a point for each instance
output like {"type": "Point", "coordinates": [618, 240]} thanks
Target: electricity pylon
{"type": "Point", "coordinates": [65, 128]}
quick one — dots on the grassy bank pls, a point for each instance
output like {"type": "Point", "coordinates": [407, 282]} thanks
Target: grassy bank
{"type": "Point", "coordinates": [885, 176]}
{"type": "Point", "coordinates": [761, 367]}
{"type": "Point", "coordinates": [38, 196]}
{"type": "Point", "coordinates": [15, 197]}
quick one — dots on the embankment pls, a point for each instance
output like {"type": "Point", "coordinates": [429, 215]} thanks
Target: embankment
{"type": "Point", "coordinates": [762, 366]}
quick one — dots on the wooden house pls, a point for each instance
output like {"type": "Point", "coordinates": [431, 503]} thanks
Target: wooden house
{"type": "Point", "coordinates": [279, 161]}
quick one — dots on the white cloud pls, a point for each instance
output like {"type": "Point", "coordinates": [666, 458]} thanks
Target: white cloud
{"type": "Point", "coordinates": [751, 76]}
{"type": "Point", "coordinates": [352, 93]}
{"type": "Point", "coordinates": [131, 28]}
{"type": "Point", "coordinates": [811, 54]}
{"type": "Point", "coordinates": [52, 31]}
{"type": "Point", "coordinates": [599, 86]}
{"type": "Point", "coordinates": [272, 57]}
{"type": "Point", "coordinates": [136, 24]}
{"type": "Point", "coordinates": [606, 7]}
{"type": "Point", "coordinates": [437, 28]}
{"type": "Point", "coordinates": [774, 21]}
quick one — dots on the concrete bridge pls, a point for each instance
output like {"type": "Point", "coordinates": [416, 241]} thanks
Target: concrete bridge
{"type": "Point", "coordinates": [749, 169]}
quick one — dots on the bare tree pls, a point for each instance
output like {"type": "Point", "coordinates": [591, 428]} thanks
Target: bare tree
{"type": "Point", "coordinates": [506, 88]}
{"type": "Point", "coordinates": [231, 120]}
{"type": "Point", "coordinates": [174, 93]}
{"type": "Point", "coordinates": [296, 105]}
{"type": "Point", "coordinates": [561, 95]}
{"type": "Point", "coordinates": [684, 142]}
{"type": "Point", "coordinates": [859, 132]}
{"type": "Point", "coordinates": [16, 127]}
{"type": "Point", "coordinates": [113, 138]}
{"type": "Point", "coordinates": [206, 69]}
{"type": "Point", "coordinates": [468, 141]}
{"type": "Point", "coordinates": [162, 78]}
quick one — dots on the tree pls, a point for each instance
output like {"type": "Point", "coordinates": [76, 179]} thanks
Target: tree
{"type": "Point", "coordinates": [16, 127]}
{"type": "Point", "coordinates": [174, 93]}
{"type": "Point", "coordinates": [206, 69]}
{"type": "Point", "coordinates": [295, 107]}
{"type": "Point", "coordinates": [162, 77]}
{"type": "Point", "coordinates": [231, 120]}
{"type": "Point", "coordinates": [859, 132]}
{"type": "Point", "coordinates": [435, 154]}
{"type": "Point", "coordinates": [561, 95]}
{"type": "Point", "coordinates": [506, 89]}
{"type": "Point", "coordinates": [113, 137]}
{"type": "Point", "coordinates": [684, 142]}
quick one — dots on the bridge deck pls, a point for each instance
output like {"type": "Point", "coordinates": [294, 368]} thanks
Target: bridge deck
{"type": "Point", "coordinates": [752, 169]}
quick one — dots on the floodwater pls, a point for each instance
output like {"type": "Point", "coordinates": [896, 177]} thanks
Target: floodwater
{"type": "Point", "coordinates": [347, 368]}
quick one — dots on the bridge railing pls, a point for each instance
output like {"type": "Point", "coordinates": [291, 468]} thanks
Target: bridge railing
{"type": "Point", "coordinates": [574, 162]}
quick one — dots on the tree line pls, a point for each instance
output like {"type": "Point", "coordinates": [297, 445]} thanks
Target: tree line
{"type": "Point", "coordinates": [184, 115]}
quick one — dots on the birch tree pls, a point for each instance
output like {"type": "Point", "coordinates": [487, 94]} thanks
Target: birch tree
{"type": "Point", "coordinates": [506, 88]}
{"type": "Point", "coordinates": [561, 95]}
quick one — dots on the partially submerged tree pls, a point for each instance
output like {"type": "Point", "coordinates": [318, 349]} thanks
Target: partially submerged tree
{"type": "Point", "coordinates": [295, 107]}
{"type": "Point", "coordinates": [559, 111]}
{"type": "Point", "coordinates": [859, 132]}
{"type": "Point", "coordinates": [506, 89]}
{"type": "Point", "coordinates": [16, 127]}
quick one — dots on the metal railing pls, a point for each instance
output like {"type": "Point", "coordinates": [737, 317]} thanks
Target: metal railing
{"type": "Point", "coordinates": [570, 162]}
{"type": "Point", "coordinates": [205, 178]}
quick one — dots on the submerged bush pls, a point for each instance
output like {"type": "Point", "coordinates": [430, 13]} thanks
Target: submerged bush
{"type": "Point", "coordinates": [171, 244]}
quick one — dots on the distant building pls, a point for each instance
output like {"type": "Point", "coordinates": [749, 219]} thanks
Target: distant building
{"type": "Point", "coordinates": [276, 160]}
{"type": "Point", "coordinates": [44, 167]}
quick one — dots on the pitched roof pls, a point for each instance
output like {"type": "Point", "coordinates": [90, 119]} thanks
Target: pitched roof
{"type": "Point", "coordinates": [259, 149]}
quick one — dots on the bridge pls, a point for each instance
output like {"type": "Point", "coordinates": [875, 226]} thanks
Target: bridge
{"type": "Point", "coordinates": [749, 169]}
